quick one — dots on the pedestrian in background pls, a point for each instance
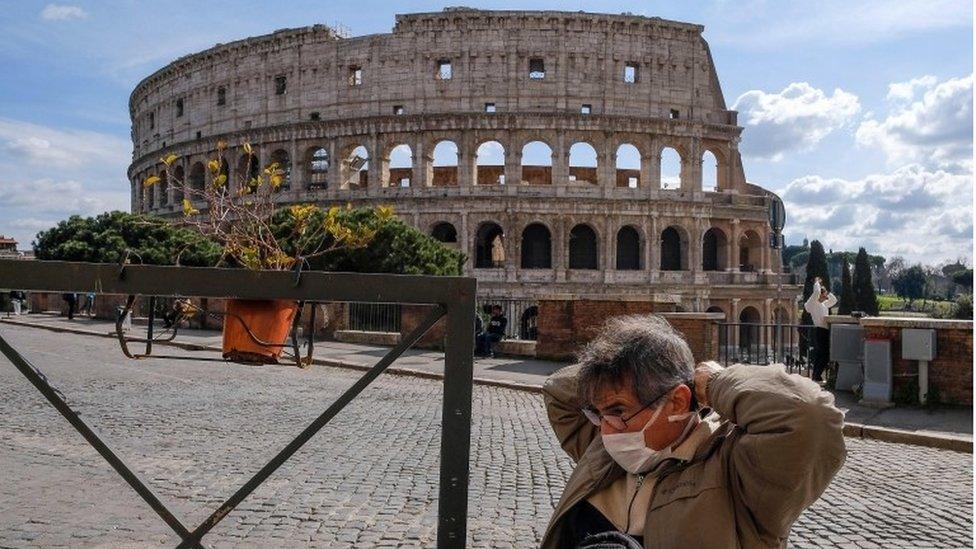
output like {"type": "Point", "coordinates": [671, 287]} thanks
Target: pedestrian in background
{"type": "Point", "coordinates": [72, 300]}
{"type": "Point", "coordinates": [818, 305]}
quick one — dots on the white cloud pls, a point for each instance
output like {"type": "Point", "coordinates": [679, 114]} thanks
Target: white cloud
{"type": "Point", "coordinates": [922, 214]}
{"type": "Point", "coordinates": [62, 12]}
{"type": "Point", "coordinates": [48, 174]}
{"type": "Point", "coordinates": [934, 129]}
{"type": "Point", "coordinates": [794, 119]}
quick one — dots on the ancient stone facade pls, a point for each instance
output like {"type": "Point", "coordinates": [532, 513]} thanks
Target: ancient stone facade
{"type": "Point", "coordinates": [495, 84]}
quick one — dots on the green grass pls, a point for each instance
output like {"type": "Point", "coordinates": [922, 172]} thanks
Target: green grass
{"type": "Point", "coordinates": [892, 303]}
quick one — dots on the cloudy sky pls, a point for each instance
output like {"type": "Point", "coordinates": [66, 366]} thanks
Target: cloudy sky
{"type": "Point", "coordinates": [859, 114]}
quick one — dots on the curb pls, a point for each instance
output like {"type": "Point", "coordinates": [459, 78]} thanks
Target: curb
{"type": "Point", "coordinates": [854, 430]}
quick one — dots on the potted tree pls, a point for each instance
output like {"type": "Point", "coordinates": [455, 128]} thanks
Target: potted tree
{"type": "Point", "coordinates": [255, 232]}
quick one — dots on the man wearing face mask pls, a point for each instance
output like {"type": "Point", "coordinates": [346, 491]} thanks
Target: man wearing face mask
{"type": "Point", "coordinates": [670, 455]}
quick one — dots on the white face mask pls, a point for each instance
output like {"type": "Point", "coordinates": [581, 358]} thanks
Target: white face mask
{"type": "Point", "coordinates": [630, 450]}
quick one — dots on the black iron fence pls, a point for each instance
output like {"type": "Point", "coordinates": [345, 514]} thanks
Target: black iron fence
{"type": "Point", "coordinates": [374, 317]}
{"type": "Point", "coordinates": [749, 343]}
{"type": "Point", "coordinates": [522, 315]}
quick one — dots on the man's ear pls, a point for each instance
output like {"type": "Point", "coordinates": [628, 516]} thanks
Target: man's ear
{"type": "Point", "coordinates": [681, 400]}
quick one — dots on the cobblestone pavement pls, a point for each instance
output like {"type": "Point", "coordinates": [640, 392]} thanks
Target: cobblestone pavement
{"type": "Point", "coordinates": [197, 430]}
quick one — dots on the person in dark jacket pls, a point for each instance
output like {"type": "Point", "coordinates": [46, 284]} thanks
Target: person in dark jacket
{"type": "Point", "coordinates": [496, 331]}
{"type": "Point", "coordinates": [72, 300]}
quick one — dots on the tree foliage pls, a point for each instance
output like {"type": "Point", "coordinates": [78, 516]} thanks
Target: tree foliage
{"type": "Point", "coordinates": [865, 298]}
{"type": "Point", "coordinates": [846, 304]}
{"type": "Point", "coordinates": [107, 238]}
{"type": "Point", "coordinates": [910, 283]}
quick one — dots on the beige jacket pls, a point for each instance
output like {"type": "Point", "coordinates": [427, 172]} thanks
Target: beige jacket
{"type": "Point", "coordinates": [781, 444]}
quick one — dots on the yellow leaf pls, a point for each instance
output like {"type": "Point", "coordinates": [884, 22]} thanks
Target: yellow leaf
{"type": "Point", "coordinates": [214, 166]}
{"type": "Point", "coordinates": [221, 145]}
{"type": "Point", "coordinates": [168, 160]}
{"type": "Point", "coordinates": [151, 180]}
{"type": "Point", "coordinates": [248, 149]}
{"type": "Point", "coordinates": [188, 208]}
{"type": "Point", "coordinates": [220, 180]}
{"type": "Point", "coordinates": [276, 180]}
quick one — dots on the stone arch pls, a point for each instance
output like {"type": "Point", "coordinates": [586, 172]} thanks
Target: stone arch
{"type": "Point", "coordinates": [446, 157]}
{"type": "Point", "coordinates": [714, 250]}
{"type": "Point", "coordinates": [539, 172]}
{"type": "Point", "coordinates": [583, 163]}
{"type": "Point", "coordinates": [628, 249]}
{"type": "Point", "coordinates": [627, 160]}
{"type": "Point", "coordinates": [715, 309]}
{"type": "Point", "coordinates": [583, 248]}
{"type": "Point", "coordinates": [163, 189]}
{"type": "Point", "coordinates": [197, 180]}
{"type": "Point", "coordinates": [750, 251]}
{"type": "Point", "coordinates": [490, 163]}
{"type": "Point", "coordinates": [444, 232]}
{"type": "Point", "coordinates": [671, 166]}
{"type": "Point", "coordinates": [536, 247]}
{"type": "Point", "coordinates": [317, 162]}
{"type": "Point", "coordinates": [710, 169]}
{"type": "Point", "coordinates": [248, 168]}
{"type": "Point", "coordinates": [283, 160]}
{"type": "Point", "coordinates": [400, 160]}
{"type": "Point", "coordinates": [485, 245]}
{"type": "Point", "coordinates": [674, 249]}
{"type": "Point", "coordinates": [749, 321]}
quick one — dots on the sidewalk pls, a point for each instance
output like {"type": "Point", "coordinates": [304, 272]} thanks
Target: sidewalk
{"type": "Point", "coordinates": [947, 428]}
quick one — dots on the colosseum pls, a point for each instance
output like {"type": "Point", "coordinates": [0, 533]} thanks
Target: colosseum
{"type": "Point", "coordinates": [538, 142]}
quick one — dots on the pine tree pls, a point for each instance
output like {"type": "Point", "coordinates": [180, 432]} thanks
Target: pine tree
{"type": "Point", "coordinates": [847, 303]}
{"type": "Point", "coordinates": [864, 296]}
{"type": "Point", "coordinates": [816, 267]}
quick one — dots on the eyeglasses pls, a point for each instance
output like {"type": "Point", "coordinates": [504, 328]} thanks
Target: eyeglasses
{"type": "Point", "coordinates": [618, 422]}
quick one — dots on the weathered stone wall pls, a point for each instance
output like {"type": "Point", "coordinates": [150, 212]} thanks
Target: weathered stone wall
{"type": "Point", "coordinates": [675, 101]}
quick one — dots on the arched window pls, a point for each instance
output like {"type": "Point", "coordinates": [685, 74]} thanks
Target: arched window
{"type": "Point", "coordinates": [283, 160]}
{"type": "Point", "coordinates": [490, 164]}
{"type": "Point", "coordinates": [536, 247]}
{"type": "Point", "coordinates": [709, 172]}
{"type": "Point", "coordinates": [714, 250]}
{"type": "Point", "coordinates": [197, 181]}
{"type": "Point", "coordinates": [248, 169]}
{"type": "Point", "coordinates": [528, 325]}
{"type": "Point", "coordinates": [489, 246]}
{"type": "Point", "coordinates": [672, 250]}
{"type": "Point", "coordinates": [445, 164]}
{"type": "Point", "coordinates": [318, 168]}
{"type": "Point", "coordinates": [356, 166]}
{"type": "Point", "coordinates": [749, 320]}
{"type": "Point", "coordinates": [582, 163]}
{"type": "Point", "coordinates": [179, 176]}
{"type": "Point", "coordinates": [537, 163]}
{"type": "Point", "coordinates": [401, 166]}
{"type": "Point", "coordinates": [628, 166]}
{"type": "Point", "coordinates": [444, 232]}
{"type": "Point", "coordinates": [628, 249]}
{"type": "Point", "coordinates": [582, 248]}
{"type": "Point", "coordinates": [750, 251]}
{"type": "Point", "coordinates": [670, 169]}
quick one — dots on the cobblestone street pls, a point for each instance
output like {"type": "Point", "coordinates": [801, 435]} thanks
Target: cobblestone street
{"type": "Point", "coordinates": [197, 430]}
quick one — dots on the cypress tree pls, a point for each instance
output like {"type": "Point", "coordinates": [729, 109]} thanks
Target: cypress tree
{"type": "Point", "coordinates": [846, 304]}
{"type": "Point", "coordinates": [864, 296]}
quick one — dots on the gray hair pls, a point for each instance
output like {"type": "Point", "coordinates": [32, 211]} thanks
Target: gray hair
{"type": "Point", "coordinates": [643, 349]}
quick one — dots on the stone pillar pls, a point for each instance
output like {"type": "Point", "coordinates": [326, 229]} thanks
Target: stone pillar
{"type": "Point", "coordinates": [377, 165]}
{"type": "Point", "coordinates": [609, 255]}
{"type": "Point", "coordinates": [734, 317]}
{"type": "Point", "coordinates": [297, 174]}
{"type": "Point", "coordinates": [467, 157]}
{"type": "Point", "coordinates": [648, 166]}
{"type": "Point", "coordinates": [654, 167]}
{"type": "Point", "coordinates": [606, 172]}
{"type": "Point", "coordinates": [465, 245]}
{"type": "Point", "coordinates": [766, 266]}
{"type": "Point", "coordinates": [513, 166]}
{"type": "Point", "coordinates": [691, 167]}
{"type": "Point", "coordinates": [654, 247]}
{"type": "Point", "coordinates": [733, 246]}
{"type": "Point", "coordinates": [560, 164]}
{"type": "Point", "coordinates": [333, 178]}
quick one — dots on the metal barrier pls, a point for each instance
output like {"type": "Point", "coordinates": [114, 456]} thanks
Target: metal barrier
{"type": "Point", "coordinates": [748, 343]}
{"type": "Point", "coordinates": [454, 298]}
{"type": "Point", "coordinates": [374, 317]}
{"type": "Point", "coordinates": [522, 315]}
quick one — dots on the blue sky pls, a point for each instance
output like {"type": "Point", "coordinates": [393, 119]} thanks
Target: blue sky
{"type": "Point", "coordinates": [858, 113]}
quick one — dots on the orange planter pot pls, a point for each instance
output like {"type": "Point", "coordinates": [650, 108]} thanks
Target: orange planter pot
{"type": "Point", "coordinates": [269, 320]}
